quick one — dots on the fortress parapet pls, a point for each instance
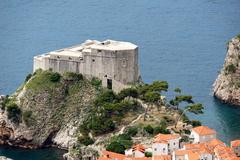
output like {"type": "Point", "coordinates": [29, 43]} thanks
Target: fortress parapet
{"type": "Point", "coordinates": [114, 62]}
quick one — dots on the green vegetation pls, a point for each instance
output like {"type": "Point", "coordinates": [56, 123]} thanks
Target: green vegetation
{"type": "Point", "coordinates": [231, 68]}
{"type": "Point", "coordinates": [27, 118]}
{"type": "Point", "coordinates": [148, 154]}
{"type": "Point", "coordinates": [13, 112]}
{"type": "Point", "coordinates": [120, 143]}
{"type": "Point", "coordinates": [70, 76]}
{"type": "Point", "coordinates": [28, 77]}
{"type": "Point", "coordinates": [85, 140]}
{"type": "Point", "coordinates": [129, 92]}
{"type": "Point", "coordinates": [96, 82]}
{"type": "Point", "coordinates": [44, 80]}
{"type": "Point", "coordinates": [238, 36]}
{"type": "Point", "coordinates": [196, 123]}
{"type": "Point", "coordinates": [149, 129]}
{"type": "Point", "coordinates": [132, 131]}
{"type": "Point", "coordinates": [106, 112]}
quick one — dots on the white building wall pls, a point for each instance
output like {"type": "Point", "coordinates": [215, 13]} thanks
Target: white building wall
{"type": "Point", "coordinates": [159, 149]}
{"type": "Point", "coordinates": [195, 136]}
{"type": "Point", "coordinates": [206, 156]}
{"type": "Point", "coordinates": [173, 145]}
{"type": "Point", "coordinates": [138, 154]}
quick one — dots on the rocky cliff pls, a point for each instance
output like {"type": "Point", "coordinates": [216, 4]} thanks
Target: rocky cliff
{"type": "Point", "coordinates": [77, 114]}
{"type": "Point", "coordinates": [227, 85]}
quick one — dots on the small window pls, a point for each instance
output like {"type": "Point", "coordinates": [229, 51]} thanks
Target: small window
{"type": "Point", "coordinates": [99, 50]}
{"type": "Point", "coordinates": [155, 149]}
{"type": "Point", "coordinates": [58, 56]}
{"type": "Point", "coordinates": [70, 58]}
{"type": "Point", "coordinates": [93, 60]}
{"type": "Point", "coordinates": [174, 143]}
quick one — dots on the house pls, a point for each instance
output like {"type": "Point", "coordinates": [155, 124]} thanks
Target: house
{"type": "Point", "coordinates": [107, 155]}
{"type": "Point", "coordinates": [224, 153]}
{"type": "Point", "coordinates": [201, 149]}
{"type": "Point", "coordinates": [165, 144]}
{"type": "Point", "coordinates": [202, 134]}
{"type": "Point", "coordinates": [138, 151]}
{"type": "Point", "coordinates": [235, 145]}
{"type": "Point", "coordinates": [185, 155]}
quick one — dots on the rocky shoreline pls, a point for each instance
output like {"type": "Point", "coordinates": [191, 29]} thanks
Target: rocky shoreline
{"type": "Point", "coordinates": [227, 85]}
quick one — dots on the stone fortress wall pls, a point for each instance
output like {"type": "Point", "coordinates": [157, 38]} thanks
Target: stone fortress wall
{"type": "Point", "coordinates": [114, 62]}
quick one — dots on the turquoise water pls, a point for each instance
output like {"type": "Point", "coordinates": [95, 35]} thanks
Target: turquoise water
{"type": "Point", "coordinates": [183, 42]}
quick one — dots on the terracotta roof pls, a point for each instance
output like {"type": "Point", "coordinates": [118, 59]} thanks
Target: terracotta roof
{"type": "Point", "coordinates": [163, 138]}
{"type": "Point", "coordinates": [138, 147]}
{"type": "Point", "coordinates": [224, 152]}
{"type": "Point", "coordinates": [108, 154]}
{"type": "Point", "coordinates": [198, 148]}
{"type": "Point", "coordinates": [162, 157]}
{"type": "Point", "coordinates": [235, 143]}
{"type": "Point", "coordinates": [204, 130]}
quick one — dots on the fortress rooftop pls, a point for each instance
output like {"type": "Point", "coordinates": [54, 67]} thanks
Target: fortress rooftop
{"type": "Point", "coordinates": [76, 51]}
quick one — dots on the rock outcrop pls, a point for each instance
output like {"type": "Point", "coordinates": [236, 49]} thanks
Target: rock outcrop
{"type": "Point", "coordinates": [227, 85]}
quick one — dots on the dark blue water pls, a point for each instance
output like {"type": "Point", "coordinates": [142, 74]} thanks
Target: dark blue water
{"type": "Point", "coordinates": [23, 154]}
{"type": "Point", "coordinates": [183, 42]}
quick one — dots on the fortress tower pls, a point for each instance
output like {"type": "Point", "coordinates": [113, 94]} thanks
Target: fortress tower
{"type": "Point", "coordinates": [114, 62]}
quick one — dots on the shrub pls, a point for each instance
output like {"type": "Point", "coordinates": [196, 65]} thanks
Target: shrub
{"type": "Point", "coordinates": [116, 147]}
{"type": "Point", "coordinates": [27, 117]}
{"type": "Point", "coordinates": [71, 76]}
{"type": "Point", "coordinates": [55, 77]}
{"type": "Point", "coordinates": [28, 77]}
{"type": "Point", "coordinates": [132, 131]}
{"type": "Point", "coordinates": [128, 92]}
{"type": "Point", "coordinates": [149, 129]}
{"type": "Point", "coordinates": [4, 103]}
{"type": "Point", "coordinates": [148, 154]}
{"type": "Point", "coordinates": [231, 68]}
{"type": "Point", "coordinates": [85, 140]}
{"type": "Point", "coordinates": [14, 112]}
{"type": "Point", "coordinates": [196, 123]}
{"type": "Point", "coordinates": [107, 96]}
{"type": "Point", "coordinates": [96, 82]}
{"type": "Point", "coordinates": [238, 36]}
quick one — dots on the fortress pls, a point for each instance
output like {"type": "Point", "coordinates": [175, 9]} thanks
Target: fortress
{"type": "Point", "coordinates": [114, 62]}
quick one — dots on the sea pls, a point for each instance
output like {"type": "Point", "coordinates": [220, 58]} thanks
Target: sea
{"type": "Point", "coordinates": [182, 42]}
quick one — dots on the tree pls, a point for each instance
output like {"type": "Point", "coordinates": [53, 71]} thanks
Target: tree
{"type": "Point", "coordinates": [192, 108]}
{"type": "Point", "coordinates": [177, 90]}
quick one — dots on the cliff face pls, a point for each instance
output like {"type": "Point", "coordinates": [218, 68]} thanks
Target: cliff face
{"type": "Point", "coordinates": [227, 85]}
{"type": "Point", "coordinates": [43, 112]}
{"type": "Point", "coordinates": [77, 114]}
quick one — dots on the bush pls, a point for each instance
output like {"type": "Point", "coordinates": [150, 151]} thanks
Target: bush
{"type": "Point", "coordinates": [28, 77]}
{"type": "Point", "coordinates": [231, 68]}
{"type": "Point", "coordinates": [196, 123]}
{"type": "Point", "coordinates": [5, 102]}
{"type": "Point", "coordinates": [85, 140]}
{"type": "Point", "coordinates": [149, 129]}
{"type": "Point", "coordinates": [55, 77]}
{"type": "Point", "coordinates": [27, 117]}
{"type": "Point", "coordinates": [116, 147]}
{"type": "Point", "coordinates": [71, 76]}
{"type": "Point", "coordinates": [96, 82]}
{"type": "Point", "coordinates": [14, 112]}
{"type": "Point", "coordinates": [238, 36]}
{"type": "Point", "coordinates": [148, 154]}
{"type": "Point", "coordinates": [132, 131]}
{"type": "Point", "coordinates": [128, 92]}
